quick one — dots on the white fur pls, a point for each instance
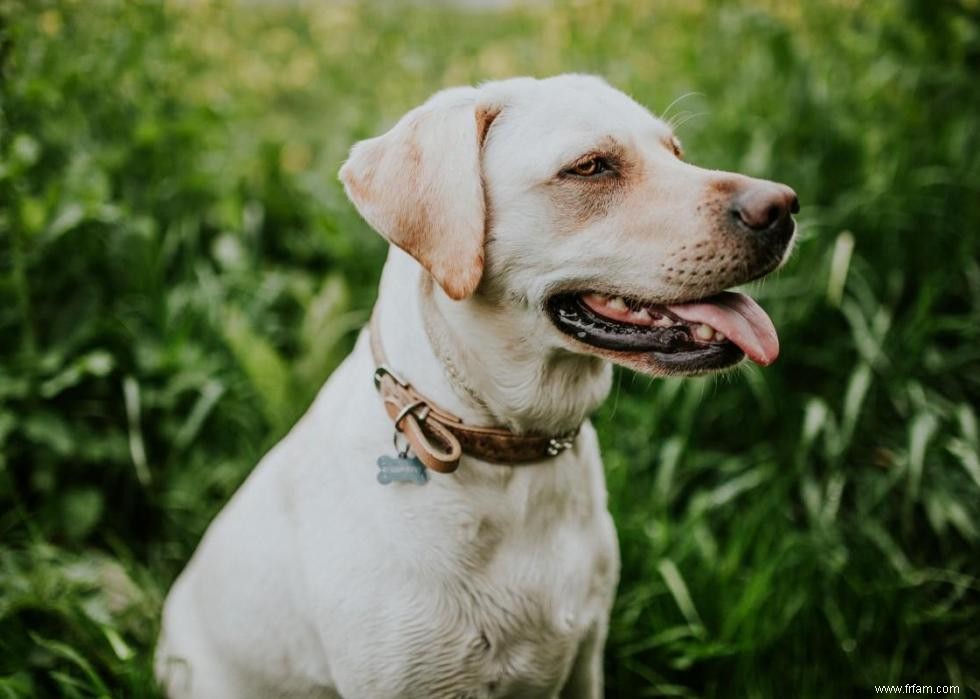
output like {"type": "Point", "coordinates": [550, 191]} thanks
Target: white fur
{"type": "Point", "coordinates": [495, 581]}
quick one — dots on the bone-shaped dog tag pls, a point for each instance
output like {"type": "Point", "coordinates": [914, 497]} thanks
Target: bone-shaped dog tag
{"type": "Point", "coordinates": [401, 468]}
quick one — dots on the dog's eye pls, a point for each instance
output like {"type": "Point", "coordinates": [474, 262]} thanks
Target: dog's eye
{"type": "Point", "coordinates": [676, 147]}
{"type": "Point", "coordinates": [589, 167]}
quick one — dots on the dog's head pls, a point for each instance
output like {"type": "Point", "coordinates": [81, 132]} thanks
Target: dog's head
{"type": "Point", "coordinates": [565, 199]}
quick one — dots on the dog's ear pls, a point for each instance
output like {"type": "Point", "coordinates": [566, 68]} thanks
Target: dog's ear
{"type": "Point", "coordinates": [420, 186]}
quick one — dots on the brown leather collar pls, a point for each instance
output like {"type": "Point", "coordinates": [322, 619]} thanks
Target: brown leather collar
{"type": "Point", "coordinates": [438, 438]}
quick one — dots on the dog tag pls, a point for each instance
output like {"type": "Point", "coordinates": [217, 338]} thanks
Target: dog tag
{"type": "Point", "coordinates": [401, 468]}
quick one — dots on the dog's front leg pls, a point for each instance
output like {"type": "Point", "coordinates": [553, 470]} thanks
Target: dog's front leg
{"type": "Point", "coordinates": [585, 679]}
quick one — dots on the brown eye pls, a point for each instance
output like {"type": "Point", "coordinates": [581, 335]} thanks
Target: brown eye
{"type": "Point", "coordinates": [589, 167]}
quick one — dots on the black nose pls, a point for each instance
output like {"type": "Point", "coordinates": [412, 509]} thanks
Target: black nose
{"type": "Point", "coordinates": [764, 206]}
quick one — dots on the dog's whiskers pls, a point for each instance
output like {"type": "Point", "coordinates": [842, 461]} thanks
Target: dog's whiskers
{"type": "Point", "coordinates": [677, 101]}
{"type": "Point", "coordinates": [688, 116]}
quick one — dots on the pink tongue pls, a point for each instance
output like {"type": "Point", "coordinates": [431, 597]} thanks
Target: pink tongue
{"type": "Point", "coordinates": [742, 321]}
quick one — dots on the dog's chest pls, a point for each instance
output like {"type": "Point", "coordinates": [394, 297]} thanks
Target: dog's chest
{"type": "Point", "coordinates": [477, 604]}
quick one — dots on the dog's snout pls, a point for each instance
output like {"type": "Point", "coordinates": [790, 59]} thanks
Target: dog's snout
{"type": "Point", "coordinates": [764, 206]}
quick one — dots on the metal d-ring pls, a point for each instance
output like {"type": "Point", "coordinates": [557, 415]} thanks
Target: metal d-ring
{"type": "Point", "coordinates": [402, 453]}
{"type": "Point", "coordinates": [406, 410]}
{"type": "Point", "coordinates": [402, 414]}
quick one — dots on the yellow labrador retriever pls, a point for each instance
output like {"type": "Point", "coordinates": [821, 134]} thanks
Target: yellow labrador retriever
{"type": "Point", "coordinates": [436, 525]}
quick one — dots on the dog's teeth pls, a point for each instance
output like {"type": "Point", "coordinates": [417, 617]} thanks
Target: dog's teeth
{"type": "Point", "coordinates": [616, 303]}
{"type": "Point", "coordinates": [661, 321]}
{"type": "Point", "coordinates": [719, 336]}
{"type": "Point", "coordinates": [704, 332]}
{"type": "Point", "coordinates": [640, 316]}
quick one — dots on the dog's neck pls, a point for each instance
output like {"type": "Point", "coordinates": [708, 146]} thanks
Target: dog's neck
{"type": "Point", "coordinates": [488, 365]}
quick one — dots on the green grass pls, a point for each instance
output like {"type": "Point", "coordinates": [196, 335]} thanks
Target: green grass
{"type": "Point", "coordinates": [179, 271]}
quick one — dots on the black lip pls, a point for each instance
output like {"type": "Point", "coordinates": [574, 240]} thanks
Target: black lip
{"type": "Point", "coordinates": [673, 348]}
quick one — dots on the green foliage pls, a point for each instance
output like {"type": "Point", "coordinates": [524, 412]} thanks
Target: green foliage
{"type": "Point", "coordinates": [179, 272]}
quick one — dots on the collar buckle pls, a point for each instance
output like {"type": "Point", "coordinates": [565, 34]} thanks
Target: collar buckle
{"type": "Point", "coordinates": [384, 370]}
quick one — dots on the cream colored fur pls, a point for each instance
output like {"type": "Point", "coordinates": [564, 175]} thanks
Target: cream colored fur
{"type": "Point", "coordinates": [495, 581]}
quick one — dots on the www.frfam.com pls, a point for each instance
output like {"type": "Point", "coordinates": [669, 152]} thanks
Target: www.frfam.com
{"type": "Point", "coordinates": [917, 689]}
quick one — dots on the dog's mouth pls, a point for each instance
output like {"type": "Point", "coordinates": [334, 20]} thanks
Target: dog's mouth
{"type": "Point", "coordinates": [692, 337]}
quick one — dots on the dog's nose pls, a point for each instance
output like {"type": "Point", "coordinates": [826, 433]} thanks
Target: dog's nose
{"type": "Point", "coordinates": [766, 205]}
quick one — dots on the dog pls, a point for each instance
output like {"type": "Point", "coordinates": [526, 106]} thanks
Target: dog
{"type": "Point", "coordinates": [541, 230]}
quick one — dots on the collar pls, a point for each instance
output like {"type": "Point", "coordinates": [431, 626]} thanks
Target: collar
{"type": "Point", "coordinates": [438, 438]}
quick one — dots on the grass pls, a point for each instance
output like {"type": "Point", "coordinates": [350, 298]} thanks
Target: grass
{"type": "Point", "coordinates": [179, 271]}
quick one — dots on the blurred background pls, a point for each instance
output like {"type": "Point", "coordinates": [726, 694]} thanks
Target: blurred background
{"type": "Point", "coordinates": [179, 272]}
